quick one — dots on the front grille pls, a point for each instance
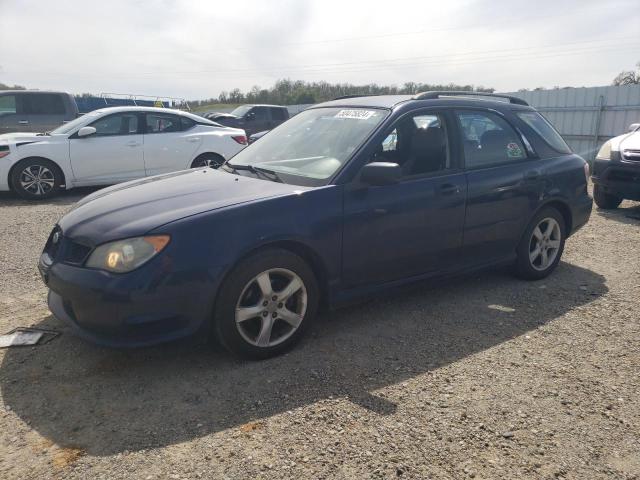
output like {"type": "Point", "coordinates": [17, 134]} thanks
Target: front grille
{"type": "Point", "coordinates": [52, 248]}
{"type": "Point", "coordinates": [74, 252]}
{"type": "Point", "coordinates": [631, 155]}
{"type": "Point", "coordinates": [63, 249]}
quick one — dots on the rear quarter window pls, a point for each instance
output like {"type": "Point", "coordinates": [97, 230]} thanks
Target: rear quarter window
{"type": "Point", "coordinates": [543, 128]}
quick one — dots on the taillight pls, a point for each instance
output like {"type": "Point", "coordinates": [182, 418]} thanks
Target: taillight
{"type": "Point", "coordinates": [4, 153]}
{"type": "Point", "coordinates": [241, 139]}
{"type": "Point", "coordinates": [586, 171]}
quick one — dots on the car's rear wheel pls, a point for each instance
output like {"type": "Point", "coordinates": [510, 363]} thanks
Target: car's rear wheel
{"type": "Point", "coordinates": [36, 178]}
{"type": "Point", "coordinates": [266, 304]}
{"type": "Point", "coordinates": [542, 245]}
{"type": "Point", "coordinates": [212, 160]}
{"type": "Point", "coordinates": [604, 200]}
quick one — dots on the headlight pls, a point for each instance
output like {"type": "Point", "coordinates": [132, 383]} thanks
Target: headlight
{"type": "Point", "coordinates": [126, 255]}
{"type": "Point", "coordinates": [605, 152]}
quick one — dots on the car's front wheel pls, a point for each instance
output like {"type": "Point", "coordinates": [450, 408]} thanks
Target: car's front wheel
{"type": "Point", "coordinates": [36, 178]}
{"type": "Point", "coordinates": [542, 245]}
{"type": "Point", "coordinates": [604, 200]}
{"type": "Point", "coordinates": [212, 160]}
{"type": "Point", "coordinates": [266, 304]}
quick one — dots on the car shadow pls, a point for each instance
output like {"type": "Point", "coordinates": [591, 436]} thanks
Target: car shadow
{"type": "Point", "coordinates": [628, 213]}
{"type": "Point", "coordinates": [108, 401]}
{"type": "Point", "coordinates": [65, 197]}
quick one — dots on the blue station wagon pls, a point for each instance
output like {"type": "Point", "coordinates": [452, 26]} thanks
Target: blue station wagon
{"type": "Point", "coordinates": [345, 199]}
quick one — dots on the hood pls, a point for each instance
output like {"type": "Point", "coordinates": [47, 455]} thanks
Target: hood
{"type": "Point", "coordinates": [626, 141]}
{"type": "Point", "coordinates": [134, 208]}
{"type": "Point", "coordinates": [630, 142]}
{"type": "Point", "coordinates": [18, 137]}
{"type": "Point", "coordinates": [217, 116]}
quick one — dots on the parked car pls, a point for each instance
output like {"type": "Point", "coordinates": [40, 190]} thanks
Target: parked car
{"type": "Point", "coordinates": [257, 136]}
{"type": "Point", "coordinates": [616, 170]}
{"type": "Point", "coordinates": [252, 118]}
{"type": "Point", "coordinates": [323, 210]}
{"type": "Point", "coordinates": [110, 146]}
{"type": "Point", "coordinates": [34, 110]}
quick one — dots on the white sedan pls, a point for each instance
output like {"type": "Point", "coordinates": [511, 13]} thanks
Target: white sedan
{"type": "Point", "coordinates": [112, 145]}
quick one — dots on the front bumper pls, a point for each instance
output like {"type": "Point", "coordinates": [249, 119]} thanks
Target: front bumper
{"type": "Point", "coordinates": [618, 178]}
{"type": "Point", "coordinates": [151, 305]}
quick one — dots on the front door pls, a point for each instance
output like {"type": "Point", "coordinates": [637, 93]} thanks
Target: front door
{"type": "Point", "coordinates": [413, 227]}
{"type": "Point", "coordinates": [113, 154]}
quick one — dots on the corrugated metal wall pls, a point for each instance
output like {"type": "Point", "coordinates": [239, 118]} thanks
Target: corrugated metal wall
{"type": "Point", "coordinates": [587, 117]}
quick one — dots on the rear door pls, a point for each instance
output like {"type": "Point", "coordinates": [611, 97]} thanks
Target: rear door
{"type": "Point", "coordinates": [170, 142]}
{"type": "Point", "coordinates": [278, 115]}
{"type": "Point", "coordinates": [504, 180]}
{"type": "Point", "coordinates": [113, 154]}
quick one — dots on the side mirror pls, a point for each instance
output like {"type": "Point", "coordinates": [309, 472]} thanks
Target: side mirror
{"type": "Point", "coordinates": [250, 116]}
{"type": "Point", "coordinates": [381, 173]}
{"type": "Point", "coordinates": [86, 131]}
{"type": "Point", "coordinates": [634, 126]}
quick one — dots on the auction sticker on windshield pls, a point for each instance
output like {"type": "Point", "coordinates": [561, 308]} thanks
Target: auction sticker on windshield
{"type": "Point", "coordinates": [356, 114]}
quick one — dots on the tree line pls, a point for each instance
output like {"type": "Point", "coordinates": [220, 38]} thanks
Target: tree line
{"type": "Point", "coordinates": [297, 92]}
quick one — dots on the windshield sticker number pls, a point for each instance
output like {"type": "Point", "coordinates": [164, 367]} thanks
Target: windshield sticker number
{"type": "Point", "coordinates": [356, 114]}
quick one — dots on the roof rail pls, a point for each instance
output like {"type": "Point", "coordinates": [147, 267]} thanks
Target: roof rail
{"type": "Point", "coordinates": [453, 93]}
{"type": "Point", "coordinates": [344, 97]}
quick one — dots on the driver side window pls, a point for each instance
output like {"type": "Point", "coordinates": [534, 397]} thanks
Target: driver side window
{"type": "Point", "coordinates": [418, 143]}
{"type": "Point", "coordinates": [117, 124]}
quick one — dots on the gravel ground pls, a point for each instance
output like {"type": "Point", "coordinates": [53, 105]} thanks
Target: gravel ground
{"type": "Point", "coordinates": [483, 376]}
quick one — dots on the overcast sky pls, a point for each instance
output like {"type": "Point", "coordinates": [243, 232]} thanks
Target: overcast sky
{"type": "Point", "coordinates": [196, 49]}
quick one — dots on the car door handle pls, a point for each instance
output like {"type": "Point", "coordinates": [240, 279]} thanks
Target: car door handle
{"type": "Point", "coordinates": [449, 189]}
{"type": "Point", "coordinates": [23, 122]}
{"type": "Point", "coordinates": [133, 144]}
{"type": "Point", "coordinates": [193, 139]}
{"type": "Point", "coordinates": [532, 175]}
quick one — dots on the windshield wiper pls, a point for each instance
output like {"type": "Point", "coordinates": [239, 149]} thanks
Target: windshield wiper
{"type": "Point", "coordinates": [265, 172]}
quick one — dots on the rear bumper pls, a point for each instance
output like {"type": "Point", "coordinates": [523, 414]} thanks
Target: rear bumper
{"type": "Point", "coordinates": [621, 179]}
{"type": "Point", "coordinates": [581, 212]}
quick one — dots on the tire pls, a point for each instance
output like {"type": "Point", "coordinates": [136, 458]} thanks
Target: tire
{"type": "Point", "coordinates": [36, 178]}
{"type": "Point", "coordinates": [212, 160]}
{"type": "Point", "coordinates": [604, 200]}
{"type": "Point", "coordinates": [249, 313]}
{"type": "Point", "coordinates": [541, 246]}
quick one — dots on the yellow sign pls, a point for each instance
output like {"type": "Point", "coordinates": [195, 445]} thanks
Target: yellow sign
{"type": "Point", "coordinates": [158, 104]}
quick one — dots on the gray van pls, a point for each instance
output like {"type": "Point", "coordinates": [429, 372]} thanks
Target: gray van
{"type": "Point", "coordinates": [35, 110]}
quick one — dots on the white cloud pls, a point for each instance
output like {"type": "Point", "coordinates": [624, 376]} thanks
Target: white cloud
{"type": "Point", "coordinates": [196, 49]}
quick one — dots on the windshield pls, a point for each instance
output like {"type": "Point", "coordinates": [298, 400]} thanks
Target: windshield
{"type": "Point", "coordinates": [68, 127]}
{"type": "Point", "coordinates": [240, 111]}
{"type": "Point", "coordinates": [313, 145]}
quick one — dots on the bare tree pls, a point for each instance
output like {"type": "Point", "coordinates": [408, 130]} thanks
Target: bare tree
{"type": "Point", "coordinates": [628, 77]}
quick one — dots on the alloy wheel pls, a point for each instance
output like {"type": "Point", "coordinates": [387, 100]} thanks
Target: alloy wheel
{"type": "Point", "coordinates": [271, 307]}
{"type": "Point", "coordinates": [544, 244]}
{"type": "Point", "coordinates": [37, 180]}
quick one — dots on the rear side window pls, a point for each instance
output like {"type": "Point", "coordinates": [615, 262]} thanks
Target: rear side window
{"type": "Point", "coordinates": [162, 123]}
{"type": "Point", "coordinates": [186, 123]}
{"type": "Point", "coordinates": [489, 140]}
{"type": "Point", "coordinates": [260, 114]}
{"type": "Point", "coordinates": [42, 104]}
{"type": "Point", "coordinates": [545, 130]}
{"type": "Point", "coordinates": [7, 104]}
{"type": "Point", "coordinates": [278, 114]}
